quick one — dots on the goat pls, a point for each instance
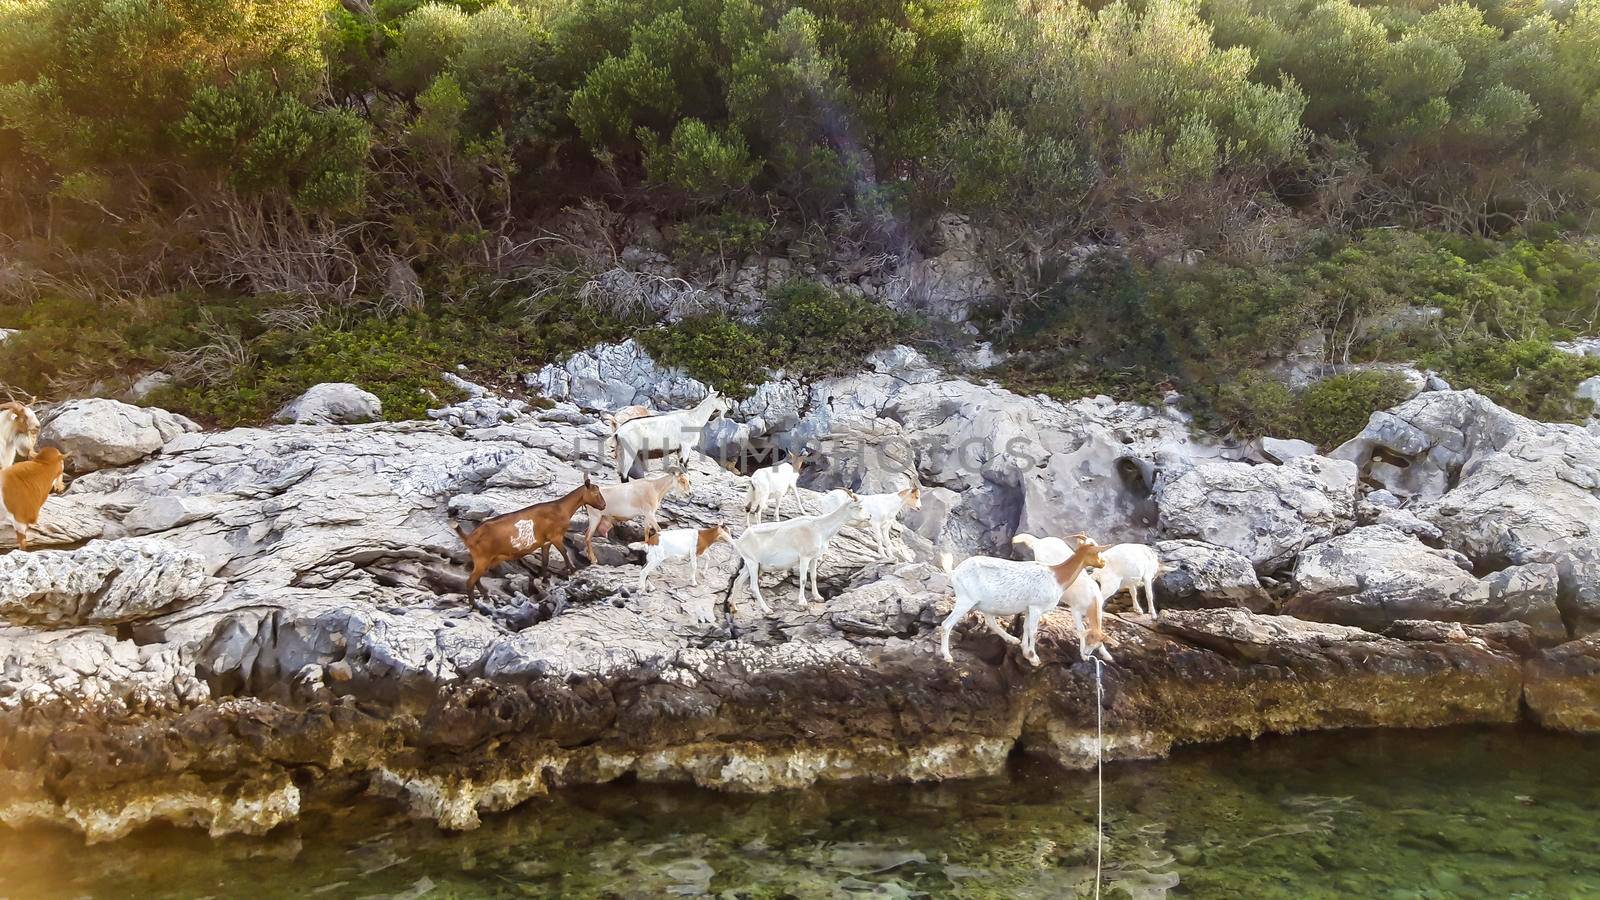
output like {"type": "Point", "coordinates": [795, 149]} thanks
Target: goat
{"type": "Point", "coordinates": [1130, 566]}
{"type": "Point", "coordinates": [19, 431]}
{"type": "Point", "coordinates": [618, 419]}
{"type": "Point", "coordinates": [797, 545]}
{"type": "Point", "coordinates": [678, 543]}
{"type": "Point", "coordinates": [879, 512]}
{"type": "Point", "coordinates": [1127, 566]}
{"type": "Point", "coordinates": [665, 433]}
{"type": "Point", "coordinates": [25, 486]}
{"type": "Point", "coordinates": [517, 534]}
{"type": "Point", "coordinates": [634, 498]}
{"type": "Point", "coordinates": [1004, 587]}
{"type": "Point", "coordinates": [772, 484]}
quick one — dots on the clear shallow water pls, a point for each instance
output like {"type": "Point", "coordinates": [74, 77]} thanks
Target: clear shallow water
{"type": "Point", "coordinates": [1456, 813]}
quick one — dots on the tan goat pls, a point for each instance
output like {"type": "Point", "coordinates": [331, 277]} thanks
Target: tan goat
{"type": "Point", "coordinates": [641, 497]}
{"type": "Point", "coordinates": [25, 487]}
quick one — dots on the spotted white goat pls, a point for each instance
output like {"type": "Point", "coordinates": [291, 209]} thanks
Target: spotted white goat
{"type": "Point", "coordinates": [879, 512]}
{"type": "Point", "coordinates": [771, 485]}
{"type": "Point", "coordinates": [1128, 566]}
{"type": "Point", "coordinates": [678, 543]}
{"type": "Point", "coordinates": [634, 498]}
{"type": "Point", "coordinates": [665, 433]}
{"type": "Point", "coordinates": [796, 545]}
{"type": "Point", "coordinates": [993, 587]}
{"type": "Point", "coordinates": [19, 431]}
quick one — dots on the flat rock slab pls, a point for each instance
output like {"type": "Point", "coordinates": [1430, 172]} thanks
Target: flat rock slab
{"type": "Point", "coordinates": [1377, 575]}
{"type": "Point", "coordinates": [102, 583]}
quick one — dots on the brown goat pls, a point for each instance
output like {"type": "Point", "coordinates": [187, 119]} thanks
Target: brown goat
{"type": "Point", "coordinates": [25, 487]}
{"type": "Point", "coordinates": [518, 534]}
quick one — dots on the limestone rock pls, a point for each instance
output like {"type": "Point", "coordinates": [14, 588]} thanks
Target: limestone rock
{"type": "Point", "coordinates": [1377, 575]}
{"type": "Point", "coordinates": [1418, 448]}
{"type": "Point", "coordinates": [1502, 489]}
{"type": "Point", "coordinates": [1267, 513]}
{"type": "Point", "coordinates": [946, 286]}
{"type": "Point", "coordinates": [332, 403]}
{"type": "Point", "coordinates": [102, 583]}
{"type": "Point", "coordinates": [98, 433]}
{"type": "Point", "coordinates": [147, 384]}
{"type": "Point", "coordinates": [610, 376]}
{"type": "Point", "coordinates": [1196, 575]}
{"type": "Point", "coordinates": [1280, 450]}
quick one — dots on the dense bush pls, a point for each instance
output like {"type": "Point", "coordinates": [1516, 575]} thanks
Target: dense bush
{"type": "Point", "coordinates": [1483, 313]}
{"type": "Point", "coordinates": [1339, 162]}
{"type": "Point", "coordinates": [816, 331]}
{"type": "Point", "coordinates": [1335, 409]}
{"type": "Point", "coordinates": [715, 349]}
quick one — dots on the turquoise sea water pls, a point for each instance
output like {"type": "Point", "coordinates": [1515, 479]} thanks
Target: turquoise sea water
{"type": "Point", "coordinates": [1371, 814]}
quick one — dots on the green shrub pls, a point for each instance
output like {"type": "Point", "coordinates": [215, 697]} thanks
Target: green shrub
{"type": "Point", "coordinates": [1251, 405]}
{"type": "Point", "coordinates": [714, 349]}
{"type": "Point", "coordinates": [727, 235]}
{"type": "Point", "coordinates": [1529, 376]}
{"type": "Point", "coordinates": [1335, 409]}
{"type": "Point", "coordinates": [813, 330]}
{"type": "Point", "coordinates": [701, 164]}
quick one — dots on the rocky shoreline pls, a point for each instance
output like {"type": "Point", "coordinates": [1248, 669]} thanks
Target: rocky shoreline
{"type": "Point", "coordinates": [245, 619]}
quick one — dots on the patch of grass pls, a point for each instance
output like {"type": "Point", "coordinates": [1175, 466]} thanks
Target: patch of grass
{"type": "Point", "coordinates": [235, 369]}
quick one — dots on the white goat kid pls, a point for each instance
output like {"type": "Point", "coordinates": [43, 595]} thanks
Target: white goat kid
{"type": "Point", "coordinates": [665, 433]}
{"type": "Point", "coordinates": [772, 484]}
{"type": "Point", "coordinates": [19, 432]}
{"type": "Point", "coordinates": [1004, 587]}
{"type": "Point", "coordinates": [634, 498]}
{"type": "Point", "coordinates": [797, 545]}
{"type": "Point", "coordinates": [678, 543]}
{"type": "Point", "coordinates": [1128, 566]}
{"type": "Point", "coordinates": [879, 512]}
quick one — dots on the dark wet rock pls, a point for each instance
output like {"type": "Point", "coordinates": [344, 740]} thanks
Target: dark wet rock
{"type": "Point", "coordinates": [1561, 686]}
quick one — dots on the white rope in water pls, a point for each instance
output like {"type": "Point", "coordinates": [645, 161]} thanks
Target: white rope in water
{"type": "Point", "coordinates": [1100, 781]}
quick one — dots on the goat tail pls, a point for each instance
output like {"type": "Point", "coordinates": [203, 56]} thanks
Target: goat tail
{"type": "Point", "coordinates": [456, 527]}
{"type": "Point", "coordinates": [947, 562]}
{"type": "Point", "coordinates": [638, 545]}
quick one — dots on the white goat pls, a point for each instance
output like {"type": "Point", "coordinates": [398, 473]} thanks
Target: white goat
{"type": "Point", "coordinates": [1127, 566]}
{"type": "Point", "coordinates": [1003, 587]}
{"type": "Point", "coordinates": [665, 433]}
{"type": "Point", "coordinates": [634, 498]}
{"type": "Point", "coordinates": [19, 431]}
{"type": "Point", "coordinates": [772, 484]}
{"type": "Point", "coordinates": [879, 512]}
{"type": "Point", "coordinates": [678, 543]}
{"type": "Point", "coordinates": [797, 545]}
